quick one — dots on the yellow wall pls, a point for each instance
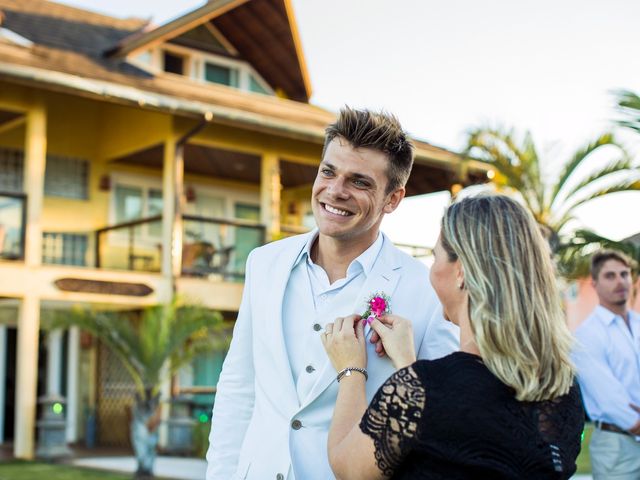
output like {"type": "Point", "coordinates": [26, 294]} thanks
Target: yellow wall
{"type": "Point", "coordinates": [100, 132]}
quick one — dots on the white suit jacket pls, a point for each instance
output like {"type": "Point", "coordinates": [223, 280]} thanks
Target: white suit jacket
{"type": "Point", "coordinates": [257, 413]}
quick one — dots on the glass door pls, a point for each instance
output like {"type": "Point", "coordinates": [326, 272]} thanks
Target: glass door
{"type": "Point", "coordinates": [246, 238]}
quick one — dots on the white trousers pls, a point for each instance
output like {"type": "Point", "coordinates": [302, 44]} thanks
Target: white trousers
{"type": "Point", "coordinates": [614, 456]}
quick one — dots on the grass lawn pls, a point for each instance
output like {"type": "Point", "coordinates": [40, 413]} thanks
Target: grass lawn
{"type": "Point", "coordinates": [20, 470]}
{"type": "Point", "coordinates": [583, 461]}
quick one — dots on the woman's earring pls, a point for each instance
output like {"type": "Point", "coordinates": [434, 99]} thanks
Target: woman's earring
{"type": "Point", "coordinates": [461, 285]}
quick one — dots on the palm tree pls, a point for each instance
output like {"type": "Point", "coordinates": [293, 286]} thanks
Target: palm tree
{"type": "Point", "coordinates": [629, 104]}
{"type": "Point", "coordinates": [574, 255]}
{"type": "Point", "coordinates": [518, 167]}
{"type": "Point", "coordinates": [152, 346]}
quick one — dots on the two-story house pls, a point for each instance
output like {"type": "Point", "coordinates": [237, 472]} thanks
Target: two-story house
{"type": "Point", "coordinates": [137, 161]}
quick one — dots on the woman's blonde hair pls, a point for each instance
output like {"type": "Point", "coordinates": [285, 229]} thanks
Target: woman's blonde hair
{"type": "Point", "coordinates": [515, 309]}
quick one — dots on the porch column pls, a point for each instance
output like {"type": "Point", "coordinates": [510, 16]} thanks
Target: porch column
{"type": "Point", "coordinates": [26, 378]}
{"type": "Point", "coordinates": [73, 362]}
{"type": "Point", "coordinates": [54, 362]}
{"type": "Point", "coordinates": [270, 195]}
{"type": "Point", "coordinates": [3, 377]}
{"type": "Point", "coordinates": [29, 320]}
{"type": "Point", "coordinates": [172, 179]}
{"type": "Point", "coordinates": [35, 153]}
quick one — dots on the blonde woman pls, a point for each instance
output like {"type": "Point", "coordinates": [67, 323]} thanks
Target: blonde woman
{"type": "Point", "coordinates": [505, 406]}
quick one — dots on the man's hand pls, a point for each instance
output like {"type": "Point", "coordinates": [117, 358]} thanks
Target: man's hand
{"type": "Point", "coordinates": [635, 430]}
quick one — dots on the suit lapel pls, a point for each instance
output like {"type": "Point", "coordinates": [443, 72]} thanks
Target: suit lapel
{"type": "Point", "coordinates": [279, 279]}
{"type": "Point", "coordinates": [384, 277]}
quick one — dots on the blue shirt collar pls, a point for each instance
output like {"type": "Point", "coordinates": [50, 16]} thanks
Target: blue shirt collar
{"type": "Point", "coordinates": [606, 315]}
{"type": "Point", "coordinates": [364, 261]}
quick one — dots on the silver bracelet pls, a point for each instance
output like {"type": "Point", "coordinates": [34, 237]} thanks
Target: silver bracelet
{"type": "Point", "coordinates": [346, 372]}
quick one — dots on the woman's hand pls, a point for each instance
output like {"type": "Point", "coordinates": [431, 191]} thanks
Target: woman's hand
{"type": "Point", "coordinates": [396, 334]}
{"type": "Point", "coordinates": [344, 342]}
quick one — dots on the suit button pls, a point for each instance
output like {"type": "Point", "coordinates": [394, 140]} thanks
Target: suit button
{"type": "Point", "coordinates": [317, 327]}
{"type": "Point", "coordinates": [296, 424]}
{"type": "Point", "coordinates": [279, 476]}
{"type": "Point", "coordinates": [310, 369]}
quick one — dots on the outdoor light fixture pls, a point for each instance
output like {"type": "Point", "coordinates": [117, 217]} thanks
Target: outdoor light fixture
{"type": "Point", "coordinates": [105, 183]}
{"type": "Point", "coordinates": [190, 194]}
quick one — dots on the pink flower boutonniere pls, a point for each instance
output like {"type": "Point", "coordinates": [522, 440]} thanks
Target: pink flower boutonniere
{"type": "Point", "coordinates": [377, 305]}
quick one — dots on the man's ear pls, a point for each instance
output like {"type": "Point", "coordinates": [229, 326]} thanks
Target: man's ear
{"type": "Point", "coordinates": [393, 200]}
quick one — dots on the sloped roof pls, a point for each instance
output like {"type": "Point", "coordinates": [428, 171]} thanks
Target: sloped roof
{"type": "Point", "coordinates": [67, 28]}
{"type": "Point", "coordinates": [68, 56]}
{"type": "Point", "coordinates": [263, 32]}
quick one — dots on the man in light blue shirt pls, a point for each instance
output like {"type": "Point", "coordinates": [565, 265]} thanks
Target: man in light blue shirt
{"type": "Point", "coordinates": [277, 390]}
{"type": "Point", "coordinates": [607, 356]}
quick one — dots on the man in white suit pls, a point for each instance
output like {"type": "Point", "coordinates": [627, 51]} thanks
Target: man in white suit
{"type": "Point", "coordinates": [277, 388]}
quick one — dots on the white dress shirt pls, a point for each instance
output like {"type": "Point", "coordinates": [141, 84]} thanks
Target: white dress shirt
{"type": "Point", "coordinates": [607, 357]}
{"type": "Point", "coordinates": [310, 300]}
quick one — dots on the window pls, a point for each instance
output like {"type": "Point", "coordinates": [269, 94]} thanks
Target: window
{"type": "Point", "coordinates": [66, 177]}
{"type": "Point", "coordinates": [128, 203]}
{"type": "Point", "coordinates": [193, 55]}
{"type": "Point", "coordinates": [64, 248]}
{"type": "Point", "coordinates": [256, 86]}
{"type": "Point", "coordinates": [11, 170]}
{"type": "Point", "coordinates": [144, 58]}
{"type": "Point", "coordinates": [134, 203]}
{"type": "Point", "coordinates": [174, 63]}
{"type": "Point", "coordinates": [12, 211]}
{"type": "Point", "coordinates": [154, 207]}
{"type": "Point", "coordinates": [246, 238]}
{"type": "Point", "coordinates": [220, 74]}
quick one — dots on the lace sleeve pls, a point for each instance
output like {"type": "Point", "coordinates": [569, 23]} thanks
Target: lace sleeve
{"type": "Point", "coordinates": [393, 418]}
{"type": "Point", "coordinates": [560, 423]}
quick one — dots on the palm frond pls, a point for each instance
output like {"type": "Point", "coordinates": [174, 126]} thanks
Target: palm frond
{"type": "Point", "coordinates": [576, 160]}
{"type": "Point", "coordinates": [516, 167]}
{"type": "Point", "coordinates": [623, 165]}
{"type": "Point", "coordinates": [626, 186]}
{"type": "Point", "coordinates": [629, 106]}
{"type": "Point", "coordinates": [152, 344]}
{"type": "Point", "coordinates": [628, 100]}
{"type": "Point", "coordinates": [574, 253]}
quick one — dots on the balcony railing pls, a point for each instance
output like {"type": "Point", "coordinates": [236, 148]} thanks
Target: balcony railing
{"type": "Point", "coordinates": [416, 251]}
{"type": "Point", "coordinates": [13, 211]}
{"type": "Point", "coordinates": [135, 245]}
{"type": "Point", "coordinates": [216, 246]}
{"type": "Point", "coordinates": [211, 246]}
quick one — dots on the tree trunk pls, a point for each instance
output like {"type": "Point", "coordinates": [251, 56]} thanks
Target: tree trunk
{"type": "Point", "coordinates": [144, 434]}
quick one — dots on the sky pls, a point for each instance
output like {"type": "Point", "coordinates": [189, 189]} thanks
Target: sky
{"type": "Point", "coordinates": [548, 67]}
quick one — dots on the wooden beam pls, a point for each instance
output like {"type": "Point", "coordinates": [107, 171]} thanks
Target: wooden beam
{"type": "Point", "coordinates": [298, 46]}
{"type": "Point", "coordinates": [221, 38]}
{"type": "Point", "coordinates": [11, 124]}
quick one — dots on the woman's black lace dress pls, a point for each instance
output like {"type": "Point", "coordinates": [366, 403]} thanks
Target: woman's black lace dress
{"type": "Point", "coordinates": [453, 419]}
